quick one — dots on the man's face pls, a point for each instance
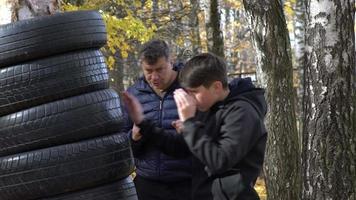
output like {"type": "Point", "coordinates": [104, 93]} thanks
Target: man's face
{"type": "Point", "coordinates": [205, 97]}
{"type": "Point", "coordinates": [159, 75]}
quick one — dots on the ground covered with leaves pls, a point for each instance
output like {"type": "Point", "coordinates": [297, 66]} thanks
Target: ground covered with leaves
{"type": "Point", "coordinates": [260, 187]}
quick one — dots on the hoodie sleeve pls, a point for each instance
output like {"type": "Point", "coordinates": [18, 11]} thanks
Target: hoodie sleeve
{"type": "Point", "coordinates": [169, 142]}
{"type": "Point", "coordinates": [240, 128]}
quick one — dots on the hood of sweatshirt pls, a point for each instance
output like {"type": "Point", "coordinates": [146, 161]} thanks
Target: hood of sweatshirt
{"type": "Point", "coordinates": [243, 89]}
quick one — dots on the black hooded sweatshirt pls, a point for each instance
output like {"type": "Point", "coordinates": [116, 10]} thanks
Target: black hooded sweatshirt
{"type": "Point", "coordinates": [228, 139]}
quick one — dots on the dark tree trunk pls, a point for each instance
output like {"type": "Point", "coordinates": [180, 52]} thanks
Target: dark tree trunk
{"type": "Point", "coordinates": [329, 145]}
{"type": "Point", "coordinates": [155, 10]}
{"type": "Point", "coordinates": [132, 70]}
{"type": "Point", "coordinates": [214, 34]}
{"type": "Point", "coordinates": [194, 27]}
{"type": "Point", "coordinates": [117, 73]}
{"type": "Point", "coordinates": [275, 71]}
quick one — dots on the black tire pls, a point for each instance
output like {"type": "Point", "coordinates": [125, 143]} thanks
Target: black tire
{"type": "Point", "coordinates": [48, 35]}
{"type": "Point", "coordinates": [60, 122]}
{"type": "Point", "coordinates": [60, 169]}
{"type": "Point", "coordinates": [121, 190]}
{"type": "Point", "coordinates": [45, 80]}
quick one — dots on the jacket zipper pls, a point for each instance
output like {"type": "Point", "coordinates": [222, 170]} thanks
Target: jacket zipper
{"type": "Point", "coordinates": [160, 111]}
{"type": "Point", "coordinates": [161, 99]}
{"type": "Point", "coordinates": [160, 123]}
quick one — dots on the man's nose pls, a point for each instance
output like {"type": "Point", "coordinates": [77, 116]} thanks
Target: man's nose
{"type": "Point", "coordinates": [154, 75]}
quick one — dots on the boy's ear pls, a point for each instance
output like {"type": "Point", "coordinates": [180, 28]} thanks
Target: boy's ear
{"type": "Point", "coordinates": [218, 85]}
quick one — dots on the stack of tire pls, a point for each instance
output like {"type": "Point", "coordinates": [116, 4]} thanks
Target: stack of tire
{"type": "Point", "coordinates": [59, 121]}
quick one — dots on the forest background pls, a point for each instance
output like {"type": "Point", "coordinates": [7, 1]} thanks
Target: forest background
{"type": "Point", "coordinates": [301, 51]}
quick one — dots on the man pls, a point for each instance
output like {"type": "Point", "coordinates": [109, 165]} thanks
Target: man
{"type": "Point", "coordinates": [228, 136]}
{"type": "Point", "coordinates": [158, 175]}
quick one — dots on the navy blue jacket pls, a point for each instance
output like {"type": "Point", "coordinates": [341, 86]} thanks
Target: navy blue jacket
{"type": "Point", "coordinates": [150, 162]}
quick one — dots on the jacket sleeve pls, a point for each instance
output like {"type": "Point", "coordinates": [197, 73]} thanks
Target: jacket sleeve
{"type": "Point", "coordinates": [238, 131]}
{"type": "Point", "coordinates": [136, 146]}
{"type": "Point", "coordinates": [169, 142]}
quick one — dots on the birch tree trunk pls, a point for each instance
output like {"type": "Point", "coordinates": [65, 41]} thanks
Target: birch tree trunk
{"type": "Point", "coordinates": [5, 10]}
{"type": "Point", "coordinates": [275, 71]}
{"type": "Point", "coordinates": [299, 32]}
{"type": "Point", "coordinates": [15, 10]}
{"type": "Point", "coordinates": [329, 102]}
{"type": "Point", "coordinates": [300, 58]}
{"type": "Point", "coordinates": [227, 25]}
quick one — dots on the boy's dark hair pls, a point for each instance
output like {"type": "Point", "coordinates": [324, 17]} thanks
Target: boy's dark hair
{"type": "Point", "coordinates": [203, 69]}
{"type": "Point", "coordinates": [152, 50]}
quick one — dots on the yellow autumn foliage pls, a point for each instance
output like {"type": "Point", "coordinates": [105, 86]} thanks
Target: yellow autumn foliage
{"type": "Point", "coordinates": [121, 31]}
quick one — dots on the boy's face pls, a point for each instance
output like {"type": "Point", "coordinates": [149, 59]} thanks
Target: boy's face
{"type": "Point", "coordinates": [205, 97]}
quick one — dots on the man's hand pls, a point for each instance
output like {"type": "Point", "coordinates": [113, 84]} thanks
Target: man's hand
{"type": "Point", "coordinates": [186, 104]}
{"type": "Point", "coordinates": [178, 125]}
{"type": "Point", "coordinates": [136, 135]}
{"type": "Point", "coordinates": [134, 107]}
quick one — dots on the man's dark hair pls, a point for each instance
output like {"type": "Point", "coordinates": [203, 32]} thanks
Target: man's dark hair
{"type": "Point", "coordinates": [152, 50]}
{"type": "Point", "coordinates": [203, 69]}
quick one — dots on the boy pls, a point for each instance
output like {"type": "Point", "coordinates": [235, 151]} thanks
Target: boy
{"type": "Point", "coordinates": [227, 137]}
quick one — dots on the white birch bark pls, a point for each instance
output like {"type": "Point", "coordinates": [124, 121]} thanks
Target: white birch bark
{"type": "Point", "coordinates": [329, 107]}
{"type": "Point", "coordinates": [16, 10]}
{"type": "Point", "coordinates": [6, 7]}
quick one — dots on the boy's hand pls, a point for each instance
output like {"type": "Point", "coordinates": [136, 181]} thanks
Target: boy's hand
{"type": "Point", "coordinates": [186, 104]}
{"type": "Point", "coordinates": [134, 107]}
{"type": "Point", "coordinates": [136, 135]}
{"type": "Point", "coordinates": [178, 125]}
